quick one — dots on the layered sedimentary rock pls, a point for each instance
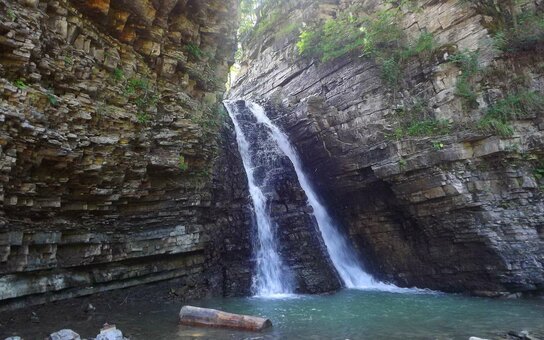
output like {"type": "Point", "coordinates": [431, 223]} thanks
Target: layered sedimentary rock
{"type": "Point", "coordinates": [110, 139]}
{"type": "Point", "coordinates": [460, 211]}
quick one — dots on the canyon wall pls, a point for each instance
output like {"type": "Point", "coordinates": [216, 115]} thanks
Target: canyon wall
{"type": "Point", "coordinates": [458, 211]}
{"type": "Point", "coordinates": [118, 165]}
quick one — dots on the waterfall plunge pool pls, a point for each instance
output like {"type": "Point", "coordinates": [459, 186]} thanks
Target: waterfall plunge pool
{"type": "Point", "coordinates": [347, 314]}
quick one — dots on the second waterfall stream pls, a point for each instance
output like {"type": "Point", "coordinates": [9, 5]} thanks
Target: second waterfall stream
{"type": "Point", "coordinates": [270, 278]}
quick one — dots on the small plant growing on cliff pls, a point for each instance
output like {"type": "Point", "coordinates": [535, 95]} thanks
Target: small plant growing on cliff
{"type": "Point", "coordinates": [118, 74]}
{"type": "Point", "coordinates": [194, 50]}
{"type": "Point", "coordinates": [182, 164]}
{"type": "Point", "coordinates": [402, 163]}
{"type": "Point", "coordinates": [141, 94]}
{"type": "Point", "coordinates": [68, 60]}
{"type": "Point", "coordinates": [438, 145]}
{"type": "Point", "coordinates": [514, 106]}
{"type": "Point", "coordinates": [142, 117]}
{"type": "Point", "coordinates": [465, 87]}
{"type": "Point", "coordinates": [52, 98]}
{"type": "Point", "coordinates": [20, 84]}
{"type": "Point", "coordinates": [11, 15]}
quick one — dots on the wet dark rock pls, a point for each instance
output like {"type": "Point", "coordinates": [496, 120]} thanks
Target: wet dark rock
{"type": "Point", "coordinates": [300, 245]}
{"type": "Point", "coordinates": [460, 212]}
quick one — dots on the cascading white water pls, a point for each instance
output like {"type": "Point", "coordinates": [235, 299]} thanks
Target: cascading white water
{"type": "Point", "coordinates": [270, 278]}
{"type": "Point", "coordinates": [341, 254]}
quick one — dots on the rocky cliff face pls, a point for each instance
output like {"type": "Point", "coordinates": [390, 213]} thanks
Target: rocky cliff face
{"type": "Point", "coordinates": [460, 210]}
{"type": "Point", "coordinates": [110, 146]}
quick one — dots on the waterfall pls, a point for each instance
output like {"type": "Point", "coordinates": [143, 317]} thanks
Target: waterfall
{"type": "Point", "coordinates": [342, 255]}
{"type": "Point", "coordinates": [271, 278]}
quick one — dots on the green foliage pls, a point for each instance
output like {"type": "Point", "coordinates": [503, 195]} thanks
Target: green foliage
{"type": "Point", "coordinates": [52, 98]}
{"type": "Point", "coordinates": [515, 106]}
{"type": "Point", "coordinates": [68, 60]}
{"type": "Point", "coordinates": [513, 28]}
{"type": "Point", "coordinates": [118, 74]}
{"type": "Point", "coordinates": [141, 94]}
{"type": "Point", "coordinates": [20, 84]}
{"type": "Point", "coordinates": [349, 32]}
{"type": "Point", "coordinates": [377, 36]}
{"type": "Point", "coordinates": [524, 35]}
{"type": "Point", "coordinates": [423, 46]}
{"type": "Point", "coordinates": [428, 127]}
{"type": "Point", "coordinates": [11, 15]}
{"type": "Point", "coordinates": [286, 30]}
{"type": "Point", "coordinates": [465, 87]}
{"type": "Point", "coordinates": [194, 50]}
{"type": "Point", "coordinates": [182, 164]}
{"type": "Point", "coordinates": [267, 22]}
{"type": "Point", "coordinates": [142, 117]}
{"type": "Point", "coordinates": [538, 171]}
{"type": "Point", "coordinates": [416, 121]}
{"type": "Point", "coordinates": [438, 145]}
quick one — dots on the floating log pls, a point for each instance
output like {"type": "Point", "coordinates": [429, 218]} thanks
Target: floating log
{"type": "Point", "coordinates": [204, 317]}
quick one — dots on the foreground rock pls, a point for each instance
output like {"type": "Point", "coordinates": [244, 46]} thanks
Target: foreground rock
{"type": "Point", "coordinates": [110, 332]}
{"type": "Point", "coordinates": [64, 334]}
{"type": "Point", "coordinates": [196, 316]}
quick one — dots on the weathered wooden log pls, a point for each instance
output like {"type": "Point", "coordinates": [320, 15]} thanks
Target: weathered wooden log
{"type": "Point", "coordinates": [196, 316]}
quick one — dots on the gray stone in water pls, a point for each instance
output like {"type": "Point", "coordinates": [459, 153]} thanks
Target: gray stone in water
{"type": "Point", "coordinates": [14, 338]}
{"type": "Point", "coordinates": [110, 332]}
{"type": "Point", "coordinates": [476, 338]}
{"type": "Point", "coordinates": [64, 334]}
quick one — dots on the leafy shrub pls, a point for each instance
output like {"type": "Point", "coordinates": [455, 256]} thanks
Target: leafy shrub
{"type": "Point", "coordinates": [515, 106]}
{"type": "Point", "coordinates": [465, 87]}
{"type": "Point", "coordinates": [417, 121]}
{"type": "Point", "coordinates": [141, 94]}
{"type": "Point", "coordinates": [347, 33]}
{"type": "Point", "coordinates": [377, 36]}
{"type": "Point", "coordinates": [525, 35]}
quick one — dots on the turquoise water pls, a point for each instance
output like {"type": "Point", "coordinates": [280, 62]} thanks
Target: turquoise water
{"type": "Point", "coordinates": [348, 314]}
